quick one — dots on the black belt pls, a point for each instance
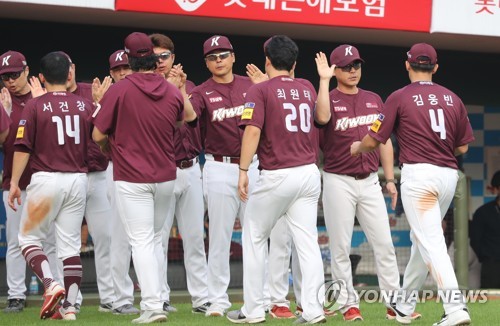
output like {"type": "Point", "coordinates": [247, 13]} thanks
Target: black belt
{"type": "Point", "coordinates": [360, 176]}
{"type": "Point", "coordinates": [184, 164]}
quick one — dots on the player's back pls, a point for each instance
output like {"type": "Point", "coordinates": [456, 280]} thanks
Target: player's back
{"type": "Point", "coordinates": [432, 122]}
{"type": "Point", "coordinates": [283, 109]}
{"type": "Point", "coordinates": [55, 129]}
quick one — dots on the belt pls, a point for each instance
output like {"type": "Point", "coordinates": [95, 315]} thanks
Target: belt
{"type": "Point", "coordinates": [226, 159]}
{"type": "Point", "coordinates": [360, 176]}
{"type": "Point", "coordinates": [184, 164]}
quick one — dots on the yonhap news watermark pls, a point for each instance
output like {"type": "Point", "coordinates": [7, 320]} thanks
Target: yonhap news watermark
{"type": "Point", "coordinates": [336, 295]}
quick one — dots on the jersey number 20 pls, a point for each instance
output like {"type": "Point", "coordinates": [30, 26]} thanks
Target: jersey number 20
{"type": "Point", "coordinates": [304, 117]}
{"type": "Point", "coordinates": [65, 127]}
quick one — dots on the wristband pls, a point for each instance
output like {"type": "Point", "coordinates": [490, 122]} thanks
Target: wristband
{"type": "Point", "coordinates": [242, 169]}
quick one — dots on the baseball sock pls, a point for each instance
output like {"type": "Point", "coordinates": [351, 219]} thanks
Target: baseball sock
{"type": "Point", "coordinates": [39, 264]}
{"type": "Point", "coordinates": [72, 279]}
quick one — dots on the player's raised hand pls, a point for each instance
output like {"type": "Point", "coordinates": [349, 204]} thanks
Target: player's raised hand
{"type": "Point", "coordinates": [393, 192]}
{"type": "Point", "coordinates": [6, 100]}
{"type": "Point", "coordinates": [99, 89]}
{"type": "Point", "coordinates": [36, 87]}
{"type": "Point", "coordinates": [14, 193]}
{"type": "Point", "coordinates": [255, 74]}
{"type": "Point", "coordinates": [243, 186]}
{"type": "Point", "coordinates": [325, 71]}
{"type": "Point", "coordinates": [175, 75]}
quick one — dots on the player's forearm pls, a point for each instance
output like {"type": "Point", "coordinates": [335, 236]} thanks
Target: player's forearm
{"type": "Point", "coordinates": [323, 111]}
{"type": "Point", "coordinates": [461, 150]}
{"type": "Point", "coordinates": [18, 165]}
{"type": "Point", "coordinates": [249, 144]}
{"type": "Point", "coordinates": [100, 138]}
{"type": "Point", "coordinates": [387, 159]}
{"type": "Point", "coordinates": [3, 135]}
{"type": "Point", "coordinates": [189, 113]}
{"type": "Point", "coordinates": [368, 144]}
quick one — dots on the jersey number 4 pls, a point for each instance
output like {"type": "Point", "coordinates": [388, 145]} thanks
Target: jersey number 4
{"type": "Point", "coordinates": [68, 127]}
{"type": "Point", "coordinates": [438, 124]}
{"type": "Point", "coordinates": [304, 117]}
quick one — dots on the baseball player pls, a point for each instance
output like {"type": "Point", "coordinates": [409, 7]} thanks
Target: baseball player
{"type": "Point", "coordinates": [351, 186]}
{"type": "Point", "coordinates": [98, 208]}
{"type": "Point", "coordinates": [139, 115]}
{"type": "Point", "coordinates": [431, 126]}
{"type": "Point", "coordinates": [118, 65]}
{"type": "Point", "coordinates": [53, 133]}
{"type": "Point", "coordinates": [123, 285]}
{"type": "Point", "coordinates": [279, 125]}
{"type": "Point", "coordinates": [14, 73]}
{"type": "Point", "coordinates": [220, 100]}
{"type": "Point", "coordinates": [188, 206]}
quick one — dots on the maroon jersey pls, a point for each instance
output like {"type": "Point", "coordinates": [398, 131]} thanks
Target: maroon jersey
{"type": "Point", "coordinates": [283, 109]}
{"type": "Point", "coordinates": [429, 122]}
{"type": "Point", "coordinates": [18, 104]}
{"type": "Point", "coordinates": [187, 137]}
{"type": "Point", "coordinates": [221, 106]}
{"type": "Point", "coordinates": [96, 159]}
{"type": "Point", "coordinates": [352, 116]}
{"type": "Point", "coordinates": [139, 114]}
{"type": "Point", "coordinates": [54, 129]}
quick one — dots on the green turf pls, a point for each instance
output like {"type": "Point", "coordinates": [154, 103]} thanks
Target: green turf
{"type": "Point", "coordinates": [374, 314]}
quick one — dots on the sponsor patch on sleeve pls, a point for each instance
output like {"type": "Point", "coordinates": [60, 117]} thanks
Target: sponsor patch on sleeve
{"type": "Point", "coordinates": [22, 122]}
{"type": "Point", "coordinates": [248, 111]}
{"type": "Point", "coordinates": [375, 126]}
{"type": "Point", "coordinates": [381, 117]}
{"type": "Point", "coordinates": [20, 132]}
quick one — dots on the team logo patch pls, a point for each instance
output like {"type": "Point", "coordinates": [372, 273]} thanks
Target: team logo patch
{"type": "Point", "coordinates": [371, 105]}
{"type": "Point", "coordinates": [22, 122]}
{"type": "Point", "coordinates": [20, 132]}
{"type": "Point", "coordinates": [381, 117]}
{"type": "Point", "coordinates": [248, 111]}
{"type": "Point", "coordinates": [375, 126]}
{"type": "Point", "coordinates": [250, 105]}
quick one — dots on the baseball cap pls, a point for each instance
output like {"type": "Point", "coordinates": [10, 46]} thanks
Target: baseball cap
{"type": "Point", "coordinates": [138, 45]}
{"type": "Point", "coordinates": [118, 58]}
{"type": "Point", "coordinates": [216, 42]}
{"type": "Point", "coordinates": [344, 54]}
{"type": "Point", "coordinates": [495, 181]}
{"type": "Point", "coordinates": [12, 61]}
{"type": "Point", "coordinates": [422, 53]}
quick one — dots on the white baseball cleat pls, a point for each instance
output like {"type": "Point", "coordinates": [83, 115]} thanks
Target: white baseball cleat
{"type": "Point", "coordinates": [237, 317]}
{"type": "Point", "coordinates": [456, 318]}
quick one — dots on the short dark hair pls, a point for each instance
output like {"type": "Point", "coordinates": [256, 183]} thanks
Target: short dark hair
{"type": "Point", "coordinates": [145, 63]}
{"type": "Point", "coordinates": [282, 51]}
{"type": "Point", "coordinates": [422, 66]}
{"type": "Point", "coordinates": [162, 41]}
{"type": "Point", "coordinates": [54, 67]}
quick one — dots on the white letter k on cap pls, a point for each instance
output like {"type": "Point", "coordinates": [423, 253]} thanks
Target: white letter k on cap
{"type": "Point", "coordinates": [348, 51]}
{"type": "Point", "coordinates": [5, 61]}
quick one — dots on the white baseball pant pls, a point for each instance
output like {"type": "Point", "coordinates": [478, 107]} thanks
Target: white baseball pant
{"type": "Point", "coordinates": [291, 194]}
{"type": "Point", "coordinates": [14, 259]}
{"type": "Point", "coordinates": [54, 197]}
{"type": "Point", "coordinates": [121, 249]}
{"type": "Point", "coordinates": [343, 199]}
{"type": "Point", "coordinates": [427, 191]}
{"type": "Point", "coordinates": [189, 210]}
{"type": "Point", "coordinates": [220, 188]}
{"type": "Point", "coordinates": [143, 208]}
{"type": "Point", "coordinates": [98, 216]}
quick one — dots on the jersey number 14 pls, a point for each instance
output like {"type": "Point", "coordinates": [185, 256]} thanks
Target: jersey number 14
{"type": "Point", "coordinates": [68, 127]}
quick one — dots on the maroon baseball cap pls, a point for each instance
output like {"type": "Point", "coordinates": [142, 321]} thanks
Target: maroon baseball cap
{"type": "Point", "coordinates": [12, 61]}
{"type": "Point", "coordinates": [422, 53]}
{"type": "Point", "coordinates": [117, 59]}
{"type": "Point", "coordinates": [138, 45]}
{"type": "Point", "coordinates": [344, 54]}
{"type": "Point", "coordinates": [216, 42]}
